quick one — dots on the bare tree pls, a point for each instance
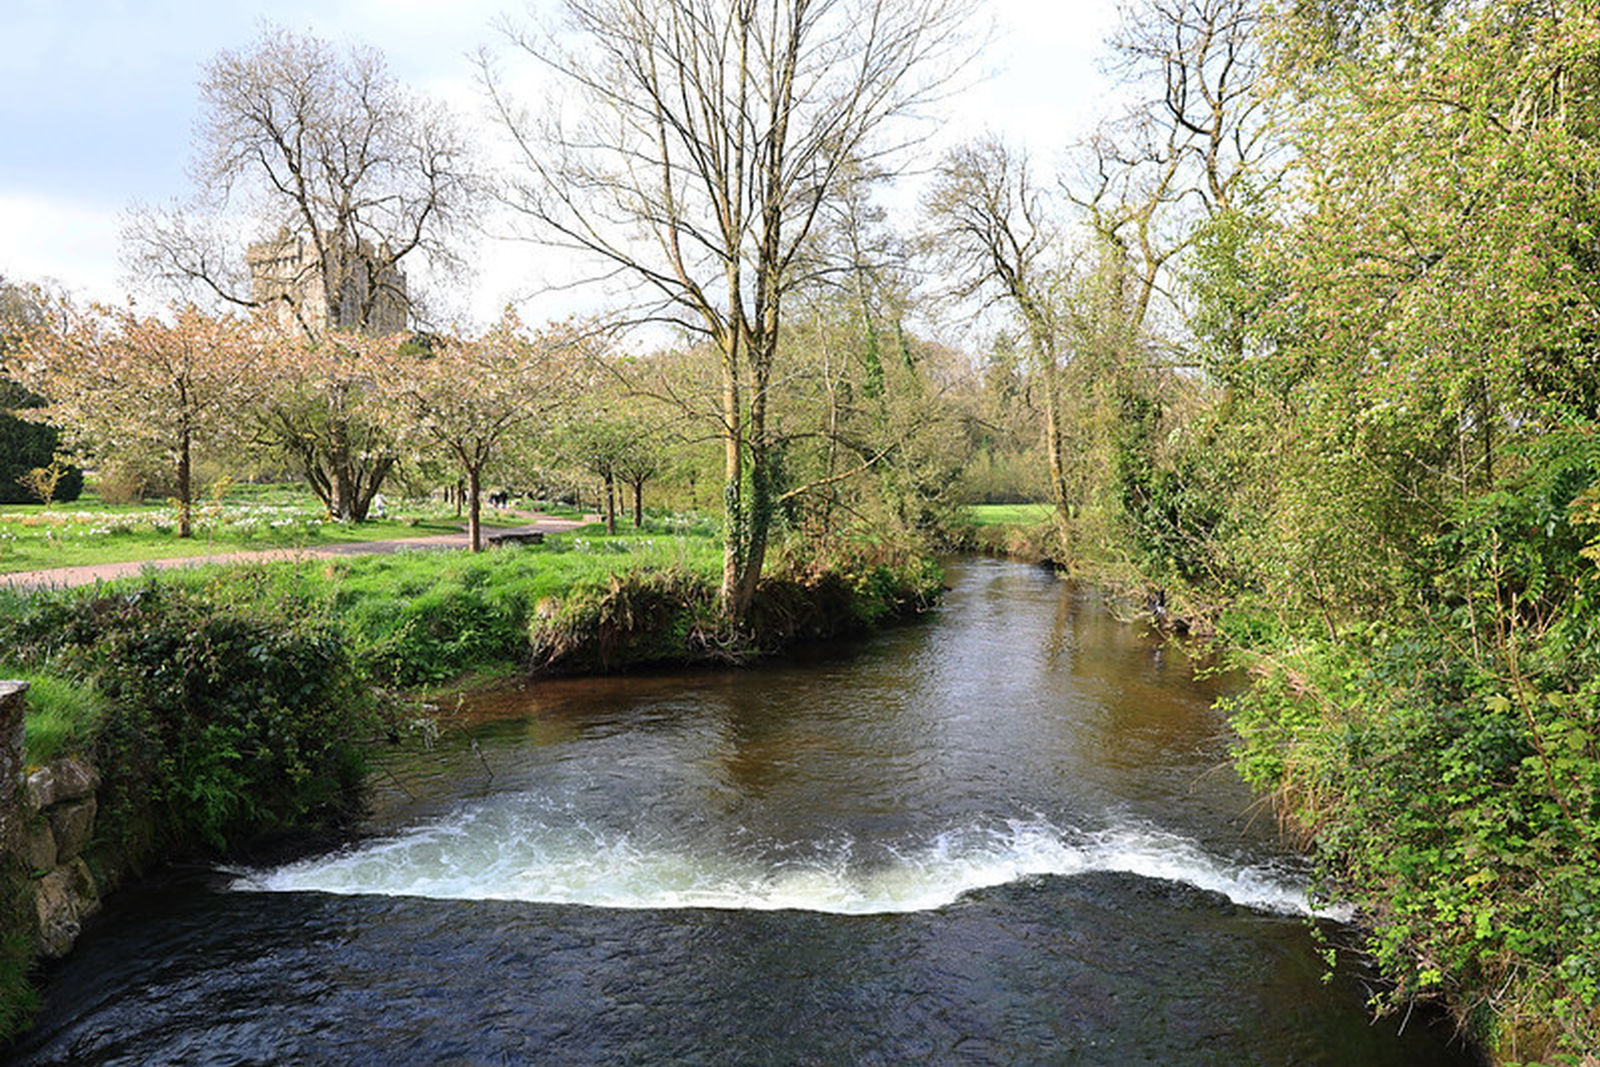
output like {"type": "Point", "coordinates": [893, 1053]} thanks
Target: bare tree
{"type": "Point", "coordinates": [1187, 151]}
{"type": "Point", "coordinates": [352, 172]}
{"type": "Point", "coordinates": [709, 135]}
{"type": "Point", "coordinates": [999, 235]}
{"type": "Point", "coordinates": [345, 176]}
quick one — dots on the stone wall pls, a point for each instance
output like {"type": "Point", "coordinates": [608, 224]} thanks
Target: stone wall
{"type": "Point", "coordinates": [13, 701]}
{"type": "Point", "coordinates": [59, 809]}
{"type": "Point", "coordinates": [46, 819]}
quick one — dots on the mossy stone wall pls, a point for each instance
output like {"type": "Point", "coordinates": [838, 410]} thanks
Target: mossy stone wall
{"type": "Point", "coordinates": [12, 705]}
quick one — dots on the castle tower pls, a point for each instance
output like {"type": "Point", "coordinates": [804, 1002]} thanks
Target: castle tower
{"type": "Point", "coordinates": [286, 278]}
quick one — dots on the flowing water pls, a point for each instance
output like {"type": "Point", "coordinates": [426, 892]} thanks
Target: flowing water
{"type": "Point", "coordinates": [1007, 833]}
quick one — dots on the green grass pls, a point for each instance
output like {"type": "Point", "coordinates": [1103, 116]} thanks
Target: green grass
{"type": "Point", "coordinates": [249, 517]}
{"type": "Point", "coordinates": [424, 617]}
{"type": "Point", "coordinates": [61, 716]}
{"type": "Point", "coordinates": [1008, 514]}
{"type": "Point", "coordinates": [567, 511]}
{"type": "Point", "coordinates": [418, 619]}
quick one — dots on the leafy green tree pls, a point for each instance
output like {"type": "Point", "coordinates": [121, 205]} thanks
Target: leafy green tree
{"type": "Point", "coordinates": [870, 437]}
{"type": "Point", "coordinates": [597, 445]}
{"type": "Point", "coordinates": [1406, 436]}
{"type": "Point", "coordinates": [25, 445]}
{"type": "Point", "coordinates": [149, 386]}
{"type": "Point", "coordinates": [643, 459]}
{"type": "Point", "coordinates": [467, 398]}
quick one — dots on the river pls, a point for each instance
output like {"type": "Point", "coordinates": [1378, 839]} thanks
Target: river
{"type": "Point", "coordinates": [1007, 833]}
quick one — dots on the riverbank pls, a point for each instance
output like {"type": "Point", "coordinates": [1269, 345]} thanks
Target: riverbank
{"type": "Point", "coordinates": [999, 835]}
{"type": "Point", "coordinates": [1442, 768]}
{"type": "Point", "coordinates": [234, 703]}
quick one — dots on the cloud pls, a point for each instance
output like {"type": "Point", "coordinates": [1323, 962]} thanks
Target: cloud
{"type": "Point", "coordinates": [112, 100]}
{"type": "Point", "coordinates": [63, 240]}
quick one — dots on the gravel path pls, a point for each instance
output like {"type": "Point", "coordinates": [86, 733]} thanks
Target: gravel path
{"type": "Point", "coordinates": [64, 577]}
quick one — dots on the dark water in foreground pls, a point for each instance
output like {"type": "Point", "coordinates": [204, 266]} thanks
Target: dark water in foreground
{"type": "Point", "coordinates": [1007, 834]}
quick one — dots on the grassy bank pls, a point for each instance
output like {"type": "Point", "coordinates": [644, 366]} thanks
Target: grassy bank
{"type": "Point", "coordinates": [582, 601]}
{"type": "Point", "coordinates": [413, 619]}
{"type": "Point", "coordinates": [1453, 795]}
{"type": "Point", "coordinates": [1007, 514]}
{"type": "Point", "coordinates": [1016, 531]}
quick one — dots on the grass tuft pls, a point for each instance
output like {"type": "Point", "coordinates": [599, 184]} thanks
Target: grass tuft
{"type": "Point", "coordinates": [61, 715]}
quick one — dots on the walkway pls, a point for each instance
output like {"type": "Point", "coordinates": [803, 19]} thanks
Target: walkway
{"type": "Point", "coordinates": [65, 577]}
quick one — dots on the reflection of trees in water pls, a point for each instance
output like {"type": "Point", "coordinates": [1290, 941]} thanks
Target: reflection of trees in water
{"type": "Point", "coordinates": [1059, 649]}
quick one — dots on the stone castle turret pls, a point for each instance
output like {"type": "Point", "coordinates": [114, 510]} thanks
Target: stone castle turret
{"type": "Point", "coordinates": [288, 280]}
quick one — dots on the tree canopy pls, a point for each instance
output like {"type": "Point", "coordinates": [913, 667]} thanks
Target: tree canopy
{"type": "Point", "coordinates": [708, 139]}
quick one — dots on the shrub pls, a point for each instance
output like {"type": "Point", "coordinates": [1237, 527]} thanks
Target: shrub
{"type": "Point", "coordinates": [634, 618]}
{"type": "Point", "coordinates": [26, 445]}
{"type": "Point", "coordinates": [1458, 809]}
{"type": "Point", "coordinates": [221, 722]}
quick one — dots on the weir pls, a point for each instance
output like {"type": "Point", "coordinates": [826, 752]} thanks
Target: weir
{"type": "Point", "coordinates": [513, 854]}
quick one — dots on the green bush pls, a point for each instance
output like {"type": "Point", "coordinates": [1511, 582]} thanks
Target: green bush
{"type": "Point", "coordinates": [856, 586]}
{"type": "Point", "coordinates": [1457, 806]}
{"type": "Point", "coordinates": [632, 619]}
{"type": "Point", "coordinates": [25, 445]}
{"type": "Point", "coordinates": [670, 615]}
{"type": "Point", "coordinates": [221, 722]}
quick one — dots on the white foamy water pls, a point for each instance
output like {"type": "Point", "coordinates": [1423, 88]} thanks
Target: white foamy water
{"type": "Point", "coordinates": [487, 855]}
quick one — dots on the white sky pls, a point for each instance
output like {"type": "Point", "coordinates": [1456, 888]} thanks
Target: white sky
{"type": "Point", "coordinates": [100, 100]}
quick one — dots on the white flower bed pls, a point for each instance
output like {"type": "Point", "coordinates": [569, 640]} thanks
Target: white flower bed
{"type": "Point", "coordinates": [242, 520]}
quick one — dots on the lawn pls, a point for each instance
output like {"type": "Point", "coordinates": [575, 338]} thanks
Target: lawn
{"type": "Point", "coordinates": [420, 618]}
{"type": "Point", "coordinates": [1008, 514]}
{"type": "Point", "coordinates": [248, 517]}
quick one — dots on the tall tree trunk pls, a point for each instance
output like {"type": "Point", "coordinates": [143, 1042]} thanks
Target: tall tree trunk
{"type": "Point", "coordinates": [611, 504]}
{"type": "Point", "coordinates": [759, 516]}
{"type": "Point", "coordinates": [352, 485]}
{"type": "Point", "coordinates": [733, 518]}
{"type": "Point", "coordinates": [1042, 339]}
{"type": "Point", "coordinates": [1053, 445]}
{"type": "Point", "coordinates": [638, 504]}
{"type": "Point", "coordinates": [344, 492]}
{"type": "Point", "coordinates": [474, 510]}
{"type": "Point", "coordinates": [756, 540]}
{"type": "Point", "coordinates": [185, 490]}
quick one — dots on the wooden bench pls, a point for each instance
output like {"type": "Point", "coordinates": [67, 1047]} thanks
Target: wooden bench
{"type": "Point", "coordinates": [516, 537]}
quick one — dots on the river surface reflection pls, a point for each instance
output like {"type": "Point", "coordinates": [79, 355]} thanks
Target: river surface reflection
{"type": "Point", "coordinates": [1007, 833]}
